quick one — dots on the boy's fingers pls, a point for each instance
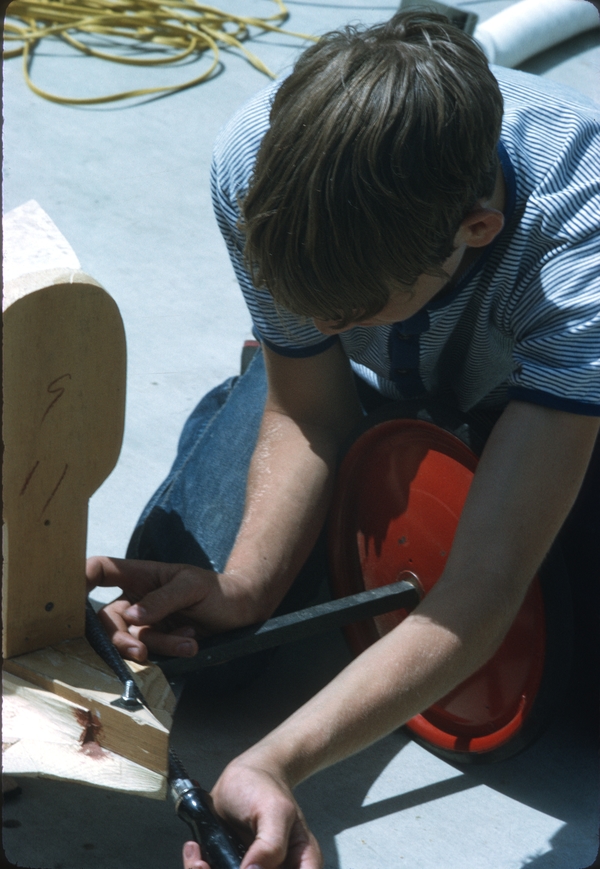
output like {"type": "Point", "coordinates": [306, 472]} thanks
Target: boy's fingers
{"type": "Point", "coordinates": [135, 577]}
{"type": "Point", "coordinates": [270, 846]}
{"type": "Point", "coordinates": [155, 589]}
{"type": "Point", "coordinates": [135, 642]}
{"type": "Point", "coordinates": [136, 648]}
{"type": "Point", "coordinates": [256, 801]}
{"type": "Point", "coordinates": [101, 570]}
{"type": "Point", "coordinates": [129, 647]}
{"type": "Point", "coordinates": [188, 587]}
{"type": "Point", "coordinates": [164, 644]}
{"type": "Point", "coordinates": [111, 617]}
{"type": "Point", "coordinates": [299, 850]}
{"type": "Point", "coordinates": [192, 858]}
{"type": "Point", "coordinates": [304, 851]}
{"type": "Point", "coordinates": [117, 629]}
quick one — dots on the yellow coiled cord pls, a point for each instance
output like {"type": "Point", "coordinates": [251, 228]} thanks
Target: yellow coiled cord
{"type": "Point", "coordinates": [181, 27]}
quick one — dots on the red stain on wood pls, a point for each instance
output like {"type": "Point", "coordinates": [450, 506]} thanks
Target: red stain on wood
{"type": "Point", "coordinates": [92, 749]}
{"type": "Point", "coordinates": [90, 733]}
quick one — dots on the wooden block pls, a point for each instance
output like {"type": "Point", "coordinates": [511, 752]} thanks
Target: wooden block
{"type": "Point", "coordinates": [47, 736]}
{"type": "Point", "coordinates": [149, 678]}
{"type": "Point", "coordinates": [154, 686]}
{"type": "Point", "coordinates": [32, 243]}
{"type": "Point", "coordinates": [73, 671]}
{"type": "Point", "coordinates": [64, 400]}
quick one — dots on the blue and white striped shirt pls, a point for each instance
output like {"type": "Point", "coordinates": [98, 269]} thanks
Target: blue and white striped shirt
{"type": "Point", "coordinates": [524, 322]}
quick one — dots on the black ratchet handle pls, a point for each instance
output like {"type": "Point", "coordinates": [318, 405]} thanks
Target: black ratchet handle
{"type": "Point", "coordinates": [219, 847]}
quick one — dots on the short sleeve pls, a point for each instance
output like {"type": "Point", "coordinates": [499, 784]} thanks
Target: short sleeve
{"type": "Point", "coordinates": [557, 348]}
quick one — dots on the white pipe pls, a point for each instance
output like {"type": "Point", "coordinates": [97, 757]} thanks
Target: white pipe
{"type": "Point", "coordinates": [532, 26]}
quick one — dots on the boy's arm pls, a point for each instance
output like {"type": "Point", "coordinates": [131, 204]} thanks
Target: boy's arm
{"type": "Point", "coordinates": [311, 408]}
{"type": "Point", "coordinates": [524, 487]}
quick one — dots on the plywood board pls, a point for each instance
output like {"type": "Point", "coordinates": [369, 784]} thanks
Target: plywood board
{"type": "Point", "coordinates": [64, 400]}
{"type": "Point", "coordinates": [63, 414]}
{"type": "Point", "coordinates": [73, 671]}
{"type": "Point", "coordinates": [47, 736]}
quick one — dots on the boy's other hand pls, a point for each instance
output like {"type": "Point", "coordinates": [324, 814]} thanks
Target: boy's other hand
{"type": "Point", "coordinates": [164, 607]}
{"type": "Point", "coordinates": [192, 858]}
{"type": "Point", "coordinates": [254, 798]}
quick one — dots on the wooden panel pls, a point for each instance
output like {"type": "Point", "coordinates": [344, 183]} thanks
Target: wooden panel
{"type": "Point", "coordinates": [64, 394]}
{"type": "Point", "coordinates": [64, 400]}
{"type": "Point", "coordinates": [46, 736]}
{"type": "Point", "coordinates": [73, 670]}
{"type": "Point", "coordinates": [31, 243]}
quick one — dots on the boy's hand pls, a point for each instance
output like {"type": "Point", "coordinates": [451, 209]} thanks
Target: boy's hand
{"type": "Point", "coordinates": [165, 606]}
{"type": "Point", "coordinates": [256, 801]}
{"type": "Point", "coordinates": [192, 858]}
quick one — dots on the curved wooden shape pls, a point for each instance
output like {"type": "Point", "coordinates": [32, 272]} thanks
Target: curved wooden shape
{"type": "Point", "coordinates": [64, 407]}
{"type": "Point", "coordinates": [64, 400]}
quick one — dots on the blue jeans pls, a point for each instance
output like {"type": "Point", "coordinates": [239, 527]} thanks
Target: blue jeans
{"type": "Point", "coordinates": [194, 516]}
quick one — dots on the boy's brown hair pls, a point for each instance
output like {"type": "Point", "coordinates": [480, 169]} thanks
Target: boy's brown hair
{"type": "Point", "coordinates": [381, 142]}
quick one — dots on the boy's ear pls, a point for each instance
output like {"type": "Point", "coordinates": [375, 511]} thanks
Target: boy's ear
{"type": "Point", "coordinates": [480, 227]}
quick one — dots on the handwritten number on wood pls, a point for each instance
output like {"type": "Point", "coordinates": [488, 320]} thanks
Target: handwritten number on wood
{"type": "Point", "coordinates": [28, 477]}
{"type": "Point", "coordinates": [55, 489]}
{"type": "Point", "coordinates": [59, 391]}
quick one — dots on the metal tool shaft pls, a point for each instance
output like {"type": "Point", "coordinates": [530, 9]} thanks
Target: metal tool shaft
{"type": "Point", "coordinates": [295, 626]}
{"type": "Point", "coordinates": [219, 846]}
